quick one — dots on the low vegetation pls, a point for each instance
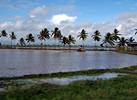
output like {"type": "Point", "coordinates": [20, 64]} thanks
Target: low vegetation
{"type": "Point", "coordinates": [122, 87]}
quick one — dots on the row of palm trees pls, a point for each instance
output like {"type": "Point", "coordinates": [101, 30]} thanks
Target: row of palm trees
{"type": "Point", "coordinates": [110, 38]}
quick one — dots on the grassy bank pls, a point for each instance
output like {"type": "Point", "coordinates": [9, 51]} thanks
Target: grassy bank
{"type": "Point", "coordinates": [122, 87]}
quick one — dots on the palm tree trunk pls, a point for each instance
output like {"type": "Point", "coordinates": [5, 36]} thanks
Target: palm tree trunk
{"type": "Point", "coordinates": [11, 43]}
{"type": "Point", "coordinates": [83, 43]}
{"type": "Point", "coordinates": [29, 45]}
{"type": "Point", "coordinates": [55, 44]}
{"type": "Point", "coordinates": [45, 44]}
{"type": "Point", "coordinates": [58, 44]}
{"type": "Point", "coordinates": [41, 44]}
{"type": "Point", "coordinates": [64, 46]}
{"type": "Point", "coordinates": [1, 39]}
{"type": "Point", "coordinates": [69, 46]}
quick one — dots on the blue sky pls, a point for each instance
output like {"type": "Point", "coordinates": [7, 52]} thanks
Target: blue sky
{"type": "Point", "coordinates": [71, 16]}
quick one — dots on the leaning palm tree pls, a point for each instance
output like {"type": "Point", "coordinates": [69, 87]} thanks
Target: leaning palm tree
{"type": "Point", "coordinates": [13, 37]}
{"type": "Point", "coordinates": [30, 38]}
{"type": "Point", "coordinates": [83, 35]}
{"type": "Point", "coordinates": [108, 39]}
{"type": "Point", "coordinates": [21, 41]}
{"type": "Point", "coordinates": [3, 34]}
{"type": "Point", "coordinates": [71, 40]}
{"type": "Point", "coordinates": [54, 32]}
{"type": "Point", "coordinates": [115, 35]}
{"type": "Point", "coordinates": [65, 41]}
{"type": "Point", "coordinates": [96, 36]}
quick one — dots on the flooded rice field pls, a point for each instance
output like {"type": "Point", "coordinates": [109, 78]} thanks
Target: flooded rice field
{"type": "Point", "coordinates": [25, 62]}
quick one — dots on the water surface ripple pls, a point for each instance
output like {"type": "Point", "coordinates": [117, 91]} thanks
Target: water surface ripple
{"type": "Point", "coordinates": [25, 62]}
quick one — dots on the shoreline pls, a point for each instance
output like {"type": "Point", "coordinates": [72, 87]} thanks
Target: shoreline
{"type": "Point", "coordinates": [126, 70]}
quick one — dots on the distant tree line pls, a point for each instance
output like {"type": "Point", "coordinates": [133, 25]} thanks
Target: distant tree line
{"type": "Point", "coordinates": [109, 38]}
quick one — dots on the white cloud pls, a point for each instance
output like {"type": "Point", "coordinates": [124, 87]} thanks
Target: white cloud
{"type": "Point", "coordinates": [42, 11]}
{"type": "Point", "coordinates": [62, 18]}
{"type": "Point", "coordinates": [32, 16]}
{"type": "Point", "coordinates": [119, 27]}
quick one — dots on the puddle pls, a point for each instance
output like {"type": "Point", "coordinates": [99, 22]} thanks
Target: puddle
{"type": "Point", "coordinates": [2, 89]}
{"type": "Point", "coordinates": [65, 81]}
{"type": "Point", "coordinates": [4, 85]}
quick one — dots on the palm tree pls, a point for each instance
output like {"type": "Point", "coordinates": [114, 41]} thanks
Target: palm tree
{"type": "Point", "coordinates": [108, 39]}
{"type": "Point", "coordinates": [41, 37]}
{"type": "Point", "coordinates": [83, 35]}
{"type": "Point", "coordinates": [115, 35]}
{"type": "Point", "coordinates": [59, 36]}
{"type": "Point", "coordinates": [122, 41]}
{"type": "Point", "coordinates": [131, 39]}
{"type": "Point", "coordinates": [3, 34]}
{"type": "Point", "coordinates": [13, 37]}
{"type": "Point", "coordinates": [65, 41]}
{"type": "Point", "coordinates": [96, 36]}
{"type": "Point", "coordinates": [71, 40]}
{"type": "Point", "coordinates": [30, 38]}
{"type": "Point", "coordinates": [46, 35]}
{"type": "Point", "coordinates": [55, 34]}
{"type": "Point", "coordinates": [22, 41]}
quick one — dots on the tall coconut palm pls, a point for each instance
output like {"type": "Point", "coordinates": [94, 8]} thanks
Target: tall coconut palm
{"type": "Point", "coordinates": [3, 34]}
{"type": "Point", "coordinates": [59, 36]}
{"type": "Point", "coordinates": [96, 36]}
{"type": "Point", "coordinates": [65, 41]}
{"type": "Point", "coordinates": [83, 35]}
{"type": "Point", "coordinates": [41, 37]}
{"type": "Point", "coordinates": [13, 37]}
{"type": "Point", "coordinates": [108, 39]}
{"type": "Point", "coordinates": [46, 35]}
{"type": "Point", "coordinates": [54, 32]}
{"type": "Point", "coordinates": [115, 35]}
{"type": "Point", "coordinates": [71, 40]}
{"type": "Point", "coordinates": [21, 41]}
{"type": "Point", "coordinates": [30, 38]}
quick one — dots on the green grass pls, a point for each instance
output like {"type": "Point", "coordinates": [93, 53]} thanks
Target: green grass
{"type": "Point", "coordinates": [120, 88]}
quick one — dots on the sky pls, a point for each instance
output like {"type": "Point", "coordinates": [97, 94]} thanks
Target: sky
{"type": "Point", "coordinates": [70, 16]}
